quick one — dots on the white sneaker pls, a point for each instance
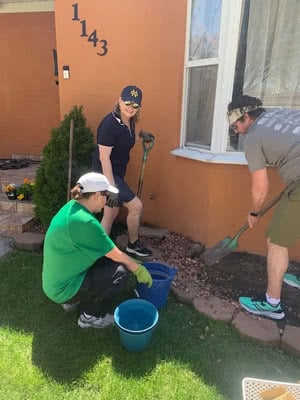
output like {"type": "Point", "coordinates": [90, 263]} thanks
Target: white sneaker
{"type": "Point", "coordinates": [89, 321]}
{"type": "Point", "coordinates": [68, 307]}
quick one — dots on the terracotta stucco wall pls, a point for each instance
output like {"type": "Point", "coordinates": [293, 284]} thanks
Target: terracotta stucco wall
{"type": "Point", "coordinates": [28, 93]}
{"type": "Point", "coordinates": [146, 47]}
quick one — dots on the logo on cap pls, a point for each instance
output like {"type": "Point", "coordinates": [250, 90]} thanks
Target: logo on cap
{"type": "Point", "coordinates": [134, 93]}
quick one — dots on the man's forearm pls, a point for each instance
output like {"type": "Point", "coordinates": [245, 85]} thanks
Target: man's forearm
{"type": "Point", "coordinates": [258, 199]}
{"type": "Point", "coordinates": [259, 189]}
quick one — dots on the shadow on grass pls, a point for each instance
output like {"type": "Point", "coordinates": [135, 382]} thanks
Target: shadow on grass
{"type": "Point", "coordinates": [65, 352]}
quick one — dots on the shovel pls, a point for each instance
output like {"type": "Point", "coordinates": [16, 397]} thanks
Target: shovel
{"type": "Point", "coordinates": [70, 158]}
{"type": "Point", "coordinates": [227, 245]}
{"type": "Point", "coordinates": [147, 146]}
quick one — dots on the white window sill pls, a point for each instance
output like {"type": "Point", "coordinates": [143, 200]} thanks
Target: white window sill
{"type": "Point", "coordinates": [206, 156]}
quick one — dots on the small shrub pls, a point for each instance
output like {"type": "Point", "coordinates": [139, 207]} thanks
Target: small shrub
{"type": "Point", "coordinates": [50, 192]}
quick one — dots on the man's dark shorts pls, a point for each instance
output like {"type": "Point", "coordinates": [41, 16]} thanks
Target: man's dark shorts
{"type": "Point", "coordinates": [284, 229]}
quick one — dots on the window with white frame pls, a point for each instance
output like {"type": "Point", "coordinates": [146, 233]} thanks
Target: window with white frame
{"type": "Point", "coordinates": [237, 47]}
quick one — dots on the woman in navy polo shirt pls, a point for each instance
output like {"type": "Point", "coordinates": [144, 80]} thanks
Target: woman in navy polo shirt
{"type": "Point", "coordinates": [115, 139]}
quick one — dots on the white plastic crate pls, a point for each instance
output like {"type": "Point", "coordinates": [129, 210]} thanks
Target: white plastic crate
{"type": "Point", "coordinates": [253, 387]}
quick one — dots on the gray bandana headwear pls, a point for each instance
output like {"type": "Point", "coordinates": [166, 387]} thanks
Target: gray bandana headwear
{"type": "Point", "coordinates": [237, 113]}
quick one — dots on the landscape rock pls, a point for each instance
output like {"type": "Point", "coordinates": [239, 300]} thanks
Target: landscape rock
{"type": "Point", "coordinates": [196, 250]}
{"type": "Point", "coordinates": [291, 339]}
{"type": "Point", "coordinates": [30, 241]}
{"type": "Point", "coordinates": [215, 308]}
{"type": "Point", "coordinates": [149, 232]}
{"type": "Point", "coordinates": [185, 297]}
{"type": "Point", "coordinates": [259, 329]}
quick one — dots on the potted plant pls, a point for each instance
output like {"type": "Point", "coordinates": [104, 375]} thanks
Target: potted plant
{"type": "Point", "coordinates": [25, 190]}
{"type": "Point", "coordinates": [11, 191]}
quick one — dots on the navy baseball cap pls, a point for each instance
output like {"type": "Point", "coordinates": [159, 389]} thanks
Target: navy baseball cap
{"type": "Point", "coordinates": [132, 93]}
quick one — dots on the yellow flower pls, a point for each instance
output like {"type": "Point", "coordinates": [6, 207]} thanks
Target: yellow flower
{"type": "Point", "coordinates": [9, 188]}
{"type": "Point", "coordinates": [21, 196]}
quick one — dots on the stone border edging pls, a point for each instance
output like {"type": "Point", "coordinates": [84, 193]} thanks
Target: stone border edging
{"type": "Point", "coordinates": [30, 241]}
{"type": "Point", "coordinates": [262, 330]}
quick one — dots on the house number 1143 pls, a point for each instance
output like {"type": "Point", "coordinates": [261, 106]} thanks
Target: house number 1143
{"type": "Point", "coordinates": [92, 37]}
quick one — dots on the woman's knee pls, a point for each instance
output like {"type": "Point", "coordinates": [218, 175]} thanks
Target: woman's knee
{"type": "Point", "coordinates": [135, 206]}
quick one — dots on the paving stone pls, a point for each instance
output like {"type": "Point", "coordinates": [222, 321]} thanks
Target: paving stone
{"type": "Point", "coordinates": [215, 308]}
{"type": "Point", "coordinates": [25, 207]}
{"type": "Point", "coordinates": [4, 216]}
{"type": "Point", "coordinates": [158, 233]}
{"type": "Point", "coordinates": [185, 297]}
{"type": "Point", "coordinates": [122, 241]}
{"type": "Point", "coordinates": [259, 329]}
{"type": "Point", "coordinates": [291, 339]}
{"type": "Point", "coordinates": [11, 223]}
{"type": "Point", "coordinates": [30, 241]}
{"type": "Point", "coordinates": [5, 245]}
{"type": "Point", "coordinates": [7, 205]}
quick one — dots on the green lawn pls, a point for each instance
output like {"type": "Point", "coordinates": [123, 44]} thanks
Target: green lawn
{"type": "Point", "coordinates": [44, 355]}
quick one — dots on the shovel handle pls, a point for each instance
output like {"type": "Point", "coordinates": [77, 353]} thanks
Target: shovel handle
{"type": "Point", "coordinates": [147, 146]}
{"type": "Point", "coordinates": [262, 212]}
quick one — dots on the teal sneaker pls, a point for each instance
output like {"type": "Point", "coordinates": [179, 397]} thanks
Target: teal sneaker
{"type": "Point", "coordinates": [292, 280]}
{"type": "Point", "coordinates": [260, 306]}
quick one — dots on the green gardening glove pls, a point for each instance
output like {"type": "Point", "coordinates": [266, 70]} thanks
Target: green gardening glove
{"type": "Point", "coordinates": [143, 276]}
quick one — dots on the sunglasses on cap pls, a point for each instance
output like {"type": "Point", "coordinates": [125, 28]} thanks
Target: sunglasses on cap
{"type": "Point", "coordinates": [131, 103]}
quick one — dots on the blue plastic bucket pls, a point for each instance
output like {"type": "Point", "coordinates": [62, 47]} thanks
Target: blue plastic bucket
{"type": "Point", "coordinates": [162, 276]}
{"type": "Point", "coordinates": [136, 320]}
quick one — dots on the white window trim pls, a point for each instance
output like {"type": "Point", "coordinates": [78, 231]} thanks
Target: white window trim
{"type": "Point", "coordinates": [228, 45]}
{"type": "Point", "coordinates": [234, 157]}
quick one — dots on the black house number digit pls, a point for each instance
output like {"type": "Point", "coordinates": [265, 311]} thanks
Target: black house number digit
{"type": "Point", "coordinates": [75, 18]}
{"type": "Point", "coordinates": [83, 28]}
{"type": "Point", "coordinates": [91, 37]}
{"type": "Point", "coordinates": [104, 48]}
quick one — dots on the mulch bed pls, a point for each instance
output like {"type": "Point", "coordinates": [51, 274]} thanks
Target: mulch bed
{"type": "Point", "coordinates": [237, 274]}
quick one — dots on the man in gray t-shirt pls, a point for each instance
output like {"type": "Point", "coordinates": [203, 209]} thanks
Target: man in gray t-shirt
{"type": "Point", "coordinates": [272, 138]}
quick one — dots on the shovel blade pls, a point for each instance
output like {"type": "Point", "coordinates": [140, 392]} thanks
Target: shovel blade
{"type": "Point", "coordinates": [218, 251]}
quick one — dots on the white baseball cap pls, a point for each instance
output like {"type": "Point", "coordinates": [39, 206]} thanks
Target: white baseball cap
{"type": "Point", "coordinates": [94, 182]}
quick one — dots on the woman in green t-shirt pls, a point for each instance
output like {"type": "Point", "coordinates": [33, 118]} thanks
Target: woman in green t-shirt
{"type": "Point", "coordinates": [81, 263]}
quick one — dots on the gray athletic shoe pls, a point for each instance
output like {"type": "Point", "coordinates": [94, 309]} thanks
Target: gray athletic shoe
{"type": "Point", "coordinates": [69, 307]}
{"type": "Point", "coordinates": [89, 321]}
